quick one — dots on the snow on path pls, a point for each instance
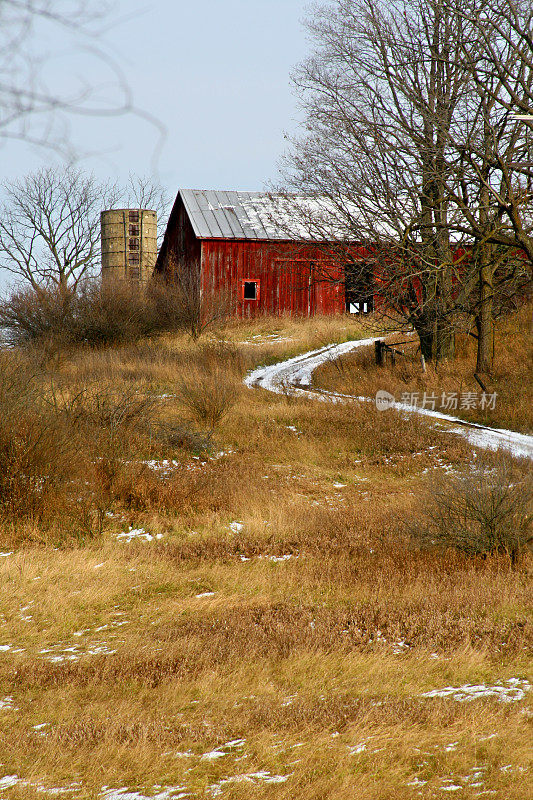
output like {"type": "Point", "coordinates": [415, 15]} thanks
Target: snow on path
{"type": "Point", "coordinates": [295, 375]}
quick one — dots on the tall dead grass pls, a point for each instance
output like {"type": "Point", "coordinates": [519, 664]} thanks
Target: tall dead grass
{"type": "Point", "coordinates": [284, 604]}
{"type": "Point", "coordinates": [358, 374]}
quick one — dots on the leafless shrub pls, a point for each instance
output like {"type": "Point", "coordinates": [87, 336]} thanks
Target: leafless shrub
{"type": "Point", "coordinates": [27, 316]}
{"type": "Point", "coordinates": [208, 395]}
{"type": "Point", "coordinates": [35, 452]}
{"type": "Point", "coordinates": [93, 315]}
{"type": "Point", "coordinates": [481, 512]}
{"type": "Point", "coordinates": [114, 409]}
{"type": "Point", "coordinates": [199, 311]}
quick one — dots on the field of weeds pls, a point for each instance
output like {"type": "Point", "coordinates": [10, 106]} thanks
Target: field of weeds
{"type": "Point", "coordinates": [211, 591]}
{"type": "Point", "coordinates": [510, 380]}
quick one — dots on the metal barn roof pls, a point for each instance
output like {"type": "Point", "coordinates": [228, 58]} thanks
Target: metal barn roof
{"type": "Point", "coordinates": [256, 215]}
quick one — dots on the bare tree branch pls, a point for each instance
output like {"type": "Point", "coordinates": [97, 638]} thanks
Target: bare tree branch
{"type": "Point", "coordinates": [50, 227]}
{"type": "Point", "coordinates": [34, 108]}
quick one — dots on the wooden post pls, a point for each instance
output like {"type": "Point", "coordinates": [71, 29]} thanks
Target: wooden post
{"type": "Point", "coordinates": [380, 352]}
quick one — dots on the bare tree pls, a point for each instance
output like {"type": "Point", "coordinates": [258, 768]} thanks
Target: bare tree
{"type": "Point", "coordinates": [50, 227]}
{"type": "Point", "coordinates": [197, 312]}
{"type": "Point", "coordinates": [381, 94]}
{"type": "Point", "coordinates": [144, 192]}
{"type": "Point", "coordinates": [36, 107]}
{"type": "Point", "coordinates": [493, 163]}
{"type": "Point", "coordinates": [397, 140]}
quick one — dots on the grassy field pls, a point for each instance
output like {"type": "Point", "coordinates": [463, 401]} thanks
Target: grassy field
{"type": "Point", "coordinates": [213, 593]}
{"type": "Point", "coordinates": [510, 379]}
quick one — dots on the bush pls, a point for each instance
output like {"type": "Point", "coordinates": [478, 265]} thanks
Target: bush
{"type": "Point", "coordinates": [93, 315]}
{"type": "Point", "coordinates": [481, 512]}
{"type": "Point", "coordinates": [36, 452]}
{"type": "Point", "coordinates": [207, 394]}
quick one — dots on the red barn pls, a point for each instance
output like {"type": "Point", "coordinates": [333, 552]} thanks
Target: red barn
{"type": "Point", "coordinates": [244, 245]}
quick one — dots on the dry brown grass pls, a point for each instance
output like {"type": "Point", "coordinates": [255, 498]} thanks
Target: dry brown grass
{"type": "Point", "coordinates": [511, 377]}
{"type": "Point", "coordinates": [282, 605]}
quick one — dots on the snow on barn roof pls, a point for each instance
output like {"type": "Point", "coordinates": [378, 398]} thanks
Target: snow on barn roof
{"type": "Point", "coordinates": [258, 215]}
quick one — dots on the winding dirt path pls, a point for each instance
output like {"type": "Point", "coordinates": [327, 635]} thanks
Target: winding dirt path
{"type": "Point", "coordinates": [295, 376]}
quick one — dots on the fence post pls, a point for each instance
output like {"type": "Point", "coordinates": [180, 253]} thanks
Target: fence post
{"type": "Point", "coordinates": [380, 352]}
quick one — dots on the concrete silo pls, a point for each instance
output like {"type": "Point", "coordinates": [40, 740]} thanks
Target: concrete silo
{"type": "Point", "coordinates": [129, 244]}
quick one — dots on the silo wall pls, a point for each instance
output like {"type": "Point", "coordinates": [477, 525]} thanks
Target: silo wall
{"type": "Point", "coordinates": [129, 244]}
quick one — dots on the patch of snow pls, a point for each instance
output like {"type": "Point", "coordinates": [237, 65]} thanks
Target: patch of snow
{"type": "Point", "coordinates": [7, 704]}
{"type": "Point", "coordinates": [515, 690]}
{"type": "Point", "coordinates": [251, 777]}
{"type": "Point", "coordinates": [294, 429]}
{"type": "Point", "coordinates": [165, 467]}
{"type": "Point", "coordinates": [100, 650]}
{"type": "Point", "coordinates": [165, 793]}
{"type": "Point", "coordinates": [236, 527]}
{"type": "Point", "coordinates": [4, 555]}
{"type": "Point", "coordinates": [289, 701]}
{"type": "Point", "coordinates": [5, 647]}
{"type": "Point", "coordinates": [8, 781]}
{"type": "Point", "coordinates": [286, 557]}
{"type": "Point", "coordinates": [399, 647]}
{"type": "Point", "coordinates": [212, 755]}
{"type": "Point", "coordinates": [134, 533]}
{"type": "Point", "coordinates": [206, 594]}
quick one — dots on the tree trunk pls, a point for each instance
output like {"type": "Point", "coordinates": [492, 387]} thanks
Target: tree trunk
{"type": "Point", "coordinates": [445, 341]}
{"type": "Point", "coordinates": [426, 335]}
{"type": "Point", "coordinates": [485, 319]}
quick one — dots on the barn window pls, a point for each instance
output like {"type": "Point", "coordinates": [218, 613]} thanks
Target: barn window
{"type": "Point", "coordinates": [134, 216]}
{"type": "Point", "coordinates": [133, 244]}
{"type": "Point", "coordinates": [133, 258]}
{"type": "Point", "coordinates": [250, 290]}
{"type": "Point", "coordinates": [134, 273]}
{"type": "Point", "coordinates": [134, 230]}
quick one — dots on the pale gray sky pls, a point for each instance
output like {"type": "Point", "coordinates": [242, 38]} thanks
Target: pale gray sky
{"type": "Point", "coordinates": [214, 72]}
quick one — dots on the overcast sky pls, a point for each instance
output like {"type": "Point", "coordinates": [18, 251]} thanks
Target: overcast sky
{"type": "Point", "coordinates": [215, 73]}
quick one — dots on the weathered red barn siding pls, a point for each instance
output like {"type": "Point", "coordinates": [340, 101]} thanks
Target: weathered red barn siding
{"type": "Point", "coordinates": [291, 278]}
{"type": "Point", "coordinates": [181, 250]}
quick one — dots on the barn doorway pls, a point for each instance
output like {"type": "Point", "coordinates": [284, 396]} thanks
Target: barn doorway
{"type": "Point", "coordinates": [358, 287]}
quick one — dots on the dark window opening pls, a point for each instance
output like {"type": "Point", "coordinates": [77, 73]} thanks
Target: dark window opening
{"type": "Point", "coordinates": [250, 290]}
{"type": "Point", "coordinates": [133, 244]}
{"type": "Point", "coordinates": [134, 273]}
{"type": "Point", "coordinates": [134, 216]}
{"type": "Point", "coordinates": [133, 258]}
{"type": "Point", "coordinates": [359, 288]}
{"type": "Point", "coordinates": [134, 230]}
